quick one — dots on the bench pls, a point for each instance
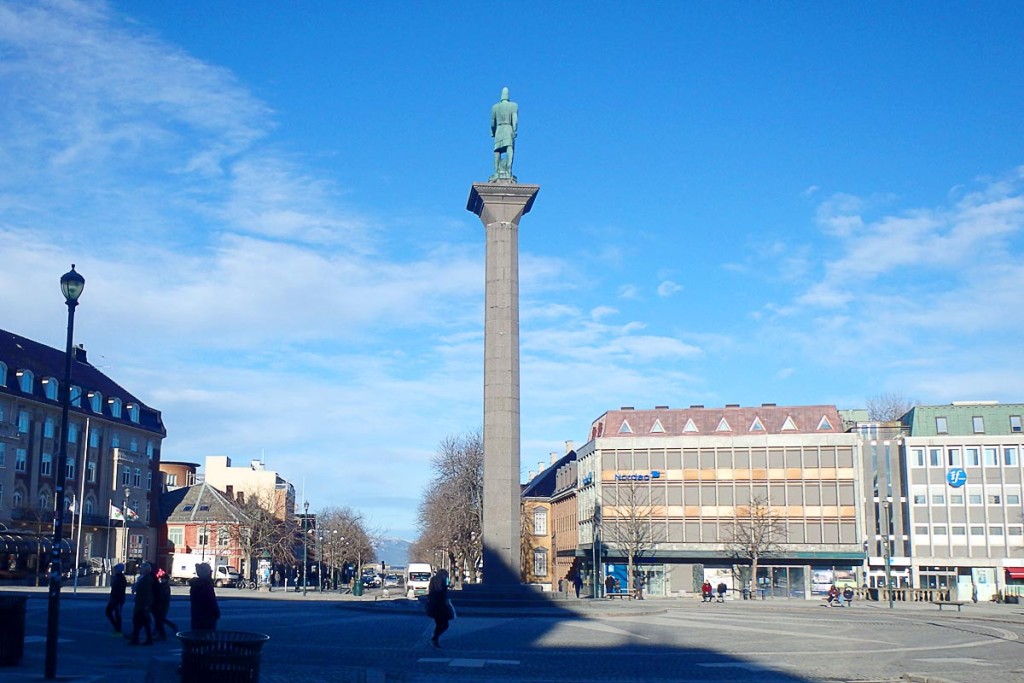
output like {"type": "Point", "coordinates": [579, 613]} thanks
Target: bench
{"type": "Point", "coordinates": [619, 594]}
{"type": "Point", "coordinates": [948, 603]}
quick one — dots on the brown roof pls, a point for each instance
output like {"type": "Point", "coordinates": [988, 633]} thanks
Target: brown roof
{"type": "Point", "coordinates": [820, 419]}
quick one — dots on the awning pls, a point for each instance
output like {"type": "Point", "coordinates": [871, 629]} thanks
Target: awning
{"type": "Point", "coordinates": [1015, 573]}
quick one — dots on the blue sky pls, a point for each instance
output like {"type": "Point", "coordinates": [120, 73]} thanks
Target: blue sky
{"type": "Point", "coordinates": [740, 203]}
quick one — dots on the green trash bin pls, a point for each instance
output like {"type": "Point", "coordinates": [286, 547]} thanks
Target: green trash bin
{"type": "Point", "coordinates": [221, 656]}
{"type": "Point", "coordinates": [357, 587]}
{"type": "Point", "coordinates": [12, 629]}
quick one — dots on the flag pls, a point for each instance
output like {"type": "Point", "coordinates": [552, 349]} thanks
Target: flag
{"type": "Point", "coordinates": [72, 508]}
{"type": "Point", "coordinates": [132, 515]}
{"type": "Point", "coordinates": [115, 513]}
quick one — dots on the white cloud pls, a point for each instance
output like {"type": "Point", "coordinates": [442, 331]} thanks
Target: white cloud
{"type": "Point", "coordinates": [668, 288]}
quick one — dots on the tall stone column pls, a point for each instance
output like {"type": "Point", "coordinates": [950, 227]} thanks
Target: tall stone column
{"type": "Point", "coordinates": [500, 206]}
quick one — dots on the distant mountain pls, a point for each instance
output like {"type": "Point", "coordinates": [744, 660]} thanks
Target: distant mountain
{"type": "Point", "coordinates": [393, 551]}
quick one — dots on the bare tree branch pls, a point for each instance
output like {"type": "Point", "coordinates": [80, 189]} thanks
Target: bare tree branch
{"type": "Point", "coordinates": [888, 406]}
{"type": "Point", "coordinates": [758, 531]}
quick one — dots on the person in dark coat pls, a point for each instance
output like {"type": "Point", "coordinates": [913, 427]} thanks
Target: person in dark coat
{"type": "Point", "coordinates": [722, 589]}
{"type": "Point", "coordinates": [203, 599]}
{"type": "Point", "coordinates": [118, 588]}
{"type": "Point", "coordinates": [438, 607]}
{"type": "Point", "coordinates": [577, 583]}
{"type": "Point", "coordinates": [144, 589]}
{"type": "Point", "coordinates": [162, 604]}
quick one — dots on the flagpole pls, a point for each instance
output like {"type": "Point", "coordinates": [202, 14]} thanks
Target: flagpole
{"type": "Point", "coordinates": [81, 502]}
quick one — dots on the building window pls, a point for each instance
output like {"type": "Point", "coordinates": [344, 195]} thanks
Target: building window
{"type": "Point", "coordinates": [20, 460]}
{"type": "Point", "coordinates": [917, 455]}
{"type": "Point", "coordinates": [115, 440]}
{"type": "Point", "coordinates": [1015, 531]}
{"type": "Point", "coordinates": [72, 432]}
{"type": "Point", "coordinates": [938, 499]}
{"type": "Point", "coordinates": [540, 522]}
{"type": "Point", "coordinates": [90, 473]}
{"type": "Point", "coordinates": [979, 424]}
{"type": "Point", "coordinates": [974, 499]}
{"type": "Point", "coordinates": [46, 466]}
{"type": "Point", "coordinates": [956, 499]}
{"type": "Point", "coordinates": [88, 508]}
{"type": "Point", "coordinates": [133, 445]}
{"type": "Point", "coordinates": [940, 425]}
{"type": "Point", "coordinates": [540, 562]}
{"type": "Point", "coordinates": [953, 457]}
{"type": "Point", "coordinates": [920, 499]}
{"type": "Point", "coordinates": [50, 388]}
{"type": "Point", "coordinates": [44, 500]}
{"type": "Point", "coordinates": [994, 499]}
{"type": "Point", "coordinates": [3, 374]}
{"type": "Point", "coordinates": [149, 449]}
{"type": "Point", "coordinates": [3, 454]}
{"type": "Point", "coordinates": [995, 531]}
{"type": "Point", "coordinates": [137, 477]}
{"type": "Point", "coordinates": [172, 479]}
{"type": "Point", "coordinates": [1013, 499]}
{"type": "Point", "coordinates": [176, 536]}
{"type": "Point", "coordinates": [202, 536]}
{"type": "Point", "coordinates": [24, 420]}
{"type": "Point", "coordinates": [991, 456]}
{"type": "Point", "coordinates": [25, 381]}
{"type": "Point", "coordinates": [972, 457]}
{"type": "Point", "coordinates": [69, 468]}
{"type": "Point", "coordinates": [977, 530]}
{"type": "Point", "coordinates": [940, 531]}
{"type": "Point", "coordinates": [17, 499]}
{"type": "Point", "coordinates": [1010, 455]}
{"type": "Point", "coordinates": [921, 530]}
{"type": "Point", "coordinates": [96, 402]}
{"type": "Point", "coordinates": [133, 412]}
{"type": "Point", "coordinates": [76, 396]}
{"type": "Point", "coordinates": [115, 407]}
{"type": "Point", "coordinates": [1, 495]}
{"type": "Point", "coordinates": [94, 438]}
{"type": "Point", "coordinates": [48, 428]}
{"type": "Point", "coordinates": [1015, 423]}
{"type": "Point", "coordinates": [959, 530]}
{"type": "Point", "coordinates": [223, 537]}
{"type": "Point", "coordinates": [126, 476]}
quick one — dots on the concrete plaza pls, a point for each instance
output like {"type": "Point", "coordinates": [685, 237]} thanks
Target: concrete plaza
{"type": "Point", "coordinates": [340, 638]}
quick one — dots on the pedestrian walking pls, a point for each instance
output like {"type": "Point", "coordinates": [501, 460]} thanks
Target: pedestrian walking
{"type": "Point", "coordinates": [144, 589]}
{"type": "Point", "coordinates": [439, 607]}
{"type": "Point", "coordinates": [577, 583]}
{"type": "Point", "coordinates": [203, 599]}
{"type": "Point", "coordinates": [115, 603]}
{"type": "Point", "coordinates": [162, 605]}
{"type": "Point", "coordinates": [638, 587]}
{"type": "Point", "coordinates": [609, 585]}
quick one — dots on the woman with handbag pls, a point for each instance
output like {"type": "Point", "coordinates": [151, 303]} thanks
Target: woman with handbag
{"type": "Point", "coordinates": [439, 608]}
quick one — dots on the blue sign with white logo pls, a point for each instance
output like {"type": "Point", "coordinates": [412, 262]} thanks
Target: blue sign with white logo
{"type": "Point", "coordinates": [956, 477]}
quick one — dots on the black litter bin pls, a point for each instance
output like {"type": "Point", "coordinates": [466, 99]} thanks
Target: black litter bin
{"type": "Point", "coordinates": [220, 656]}
{"type": "Point", "coordinates": [12, 629]}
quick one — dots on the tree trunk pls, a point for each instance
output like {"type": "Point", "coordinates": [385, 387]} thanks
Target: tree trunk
{"type": "Point", "coordinates": [753, 576]}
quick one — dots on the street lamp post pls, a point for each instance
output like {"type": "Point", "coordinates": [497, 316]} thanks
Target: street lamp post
{"type": "Point", "coordinates": [71, 285]}
{"type": "Point", "coordinates": [305, 544]}
{"type": "Point", "coordinates": [124, 522]}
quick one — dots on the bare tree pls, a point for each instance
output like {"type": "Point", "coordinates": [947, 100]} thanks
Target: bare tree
{"type": "Point", "coordinates": [628, 521]}
{"type": "Point", "coordinates": [343, 538]}
{"type": "Point", "coordinates": [451, 511]}
{"type": "Point", "coordinates": [888, 406]}
{"type": "Point", "coordinates": [263, 531]}
{"type": "Point", "coordinates": [758, 531]}
{"type": "Point", "coordinates": [526, 543]}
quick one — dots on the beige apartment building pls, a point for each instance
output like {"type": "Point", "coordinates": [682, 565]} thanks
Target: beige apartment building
{"type": "Point", "coordinates": [695, 474]}
{"type": "Point", "coordinates": [251, 482]}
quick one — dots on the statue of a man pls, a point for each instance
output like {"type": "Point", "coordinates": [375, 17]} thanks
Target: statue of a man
{"type": "Point", "coordinates": [504, 123]}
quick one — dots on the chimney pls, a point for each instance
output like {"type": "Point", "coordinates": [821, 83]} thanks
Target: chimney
{"type": "Point", "coordinates": [530, 475]}
{"type": "Point", "coordinates": [229, 491]}
{"type": "Point", "coordinates": [553, 456]}
{"type": "Point", "coordinates": [540, 467]}
{"type": "Point", "coordinates": [697, 405]}
{"type": "Point", "coordinates": [767, 405]}
{"type": "Point", "coordinates": [569, 445]}
{"type": "Point", "coordinates": [78, 353]}
{"type": "Point", "coordinates": [661, 407]}
{"type": "Point", "coordinates": [626, 408]}
{"type": "Point", "coordinates": [732, 405]}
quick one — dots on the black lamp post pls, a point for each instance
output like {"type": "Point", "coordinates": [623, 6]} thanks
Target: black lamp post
{"type": "Point", "coordinates": [71, 284]}
{"type": "Point", "coordinates": [305, 542]}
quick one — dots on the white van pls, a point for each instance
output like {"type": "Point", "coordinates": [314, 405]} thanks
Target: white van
{"type": "Point", "coordinates": [417, 578]}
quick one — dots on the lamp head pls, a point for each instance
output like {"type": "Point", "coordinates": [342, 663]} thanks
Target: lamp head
{"type": "Point", "coordinates": [72, 284]}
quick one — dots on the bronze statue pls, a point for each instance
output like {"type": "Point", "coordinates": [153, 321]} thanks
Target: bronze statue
{"type": "Point", "coordinates": [504, 124]}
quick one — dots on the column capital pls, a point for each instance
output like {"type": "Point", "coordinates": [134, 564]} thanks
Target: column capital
{"type": "Point", "coordinates": [501, 202]}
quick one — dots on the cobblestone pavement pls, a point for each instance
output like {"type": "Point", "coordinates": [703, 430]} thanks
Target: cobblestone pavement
{"type": "Point", "coordinates": [344, 639]}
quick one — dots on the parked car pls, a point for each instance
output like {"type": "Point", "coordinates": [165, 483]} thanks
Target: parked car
{"type": "Point", "coordinates": [371, 581]}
